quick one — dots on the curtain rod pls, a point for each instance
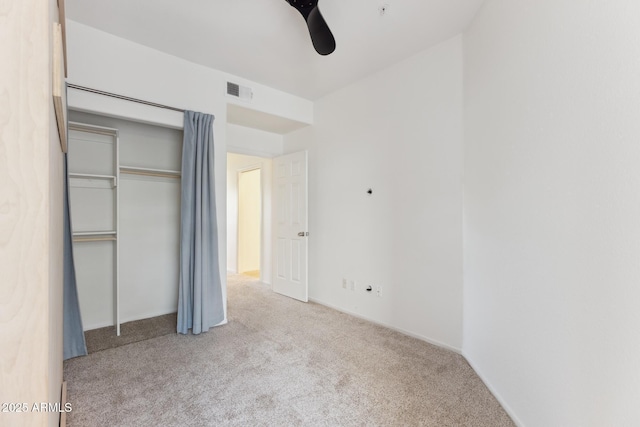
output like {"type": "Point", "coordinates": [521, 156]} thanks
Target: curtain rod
{"type": "Point", "coordinates": [126, 98]}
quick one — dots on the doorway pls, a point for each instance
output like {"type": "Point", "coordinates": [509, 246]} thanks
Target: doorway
{"type": "Point", "coordinates": [240, 166]}
{"type": "Point", "coordinates": [249, 221]}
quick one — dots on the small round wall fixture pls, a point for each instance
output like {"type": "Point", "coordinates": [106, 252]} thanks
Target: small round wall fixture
{"type": "Point", "coordinates": [370, 192]}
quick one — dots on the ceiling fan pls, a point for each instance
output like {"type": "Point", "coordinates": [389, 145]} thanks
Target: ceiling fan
{"type": "Point", "coordinates": [321, 36]}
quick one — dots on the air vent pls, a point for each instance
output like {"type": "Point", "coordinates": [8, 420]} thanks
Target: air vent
{"type": "Point", "coordinates": [233, 89]}
{"type": "Point", "coordinates": [240, 92]}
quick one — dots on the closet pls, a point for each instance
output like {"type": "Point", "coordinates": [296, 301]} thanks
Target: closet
{"type": "Point", "coordinates": [125, 216]}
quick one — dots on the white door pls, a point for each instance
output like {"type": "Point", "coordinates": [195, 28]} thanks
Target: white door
{"type": "Point", "coordinates": [290, 223]}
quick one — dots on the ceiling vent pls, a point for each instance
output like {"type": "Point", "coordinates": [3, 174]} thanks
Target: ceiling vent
{"type": "Point", "coordinates": [241, 92]}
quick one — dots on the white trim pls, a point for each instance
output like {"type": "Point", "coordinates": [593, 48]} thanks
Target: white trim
{"type": "Point", "coordinates": [257, 165]}
{"type": "Point", "coordinates": [162, 173]}
{"type": "Point", "coordinates": [98, 326]}
{"type": "Point", "coordinates": [393, 328]}
{"type": "Point", "coordinates": [517, 421]}
{"type": "Point", "coordinates": [260, 167]}
{"type": "Point", "coordinates": [116, 212]}
{"type": "Point", "coordinates": [114, 234]}
{"type": "Point", "coordinates": [141, 317]}
{"type": "Point", "coordinates": [101, 130]}
{"type": "Point", "coordinates": [95, 233]}
{"type": "Point", "coordinates": [147, 315]}
{"type": "Point", "coordinates": [94, 103]}
{"type": "Point", "coordinates": [251, 152]}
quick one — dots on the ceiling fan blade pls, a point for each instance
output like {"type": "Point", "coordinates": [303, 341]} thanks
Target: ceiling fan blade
{"type": "Point", "coordinates": [321, 36]}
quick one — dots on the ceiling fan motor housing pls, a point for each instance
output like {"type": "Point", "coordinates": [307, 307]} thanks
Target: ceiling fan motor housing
{"type": "Point", "coordinates": [304, 6]}
{"type": "Point", "coordinates": [321, 35]}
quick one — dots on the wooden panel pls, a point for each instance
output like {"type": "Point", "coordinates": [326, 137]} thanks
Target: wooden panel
{"type": "Point", "coordinates": [30, 230]}
{"type": "Point", "coordinates": [62, 19]}
{"type": "Point", "coordinates": [59, 87]}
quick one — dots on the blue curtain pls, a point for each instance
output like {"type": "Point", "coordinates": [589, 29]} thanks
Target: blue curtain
{"type": "Point", "coordinates": [200, 304]}
{"type": "Point", "coordinates": [73, 335]}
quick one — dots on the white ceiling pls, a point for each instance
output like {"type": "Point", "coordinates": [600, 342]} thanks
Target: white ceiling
{"type": "Point", "coordinates": [267, 41]}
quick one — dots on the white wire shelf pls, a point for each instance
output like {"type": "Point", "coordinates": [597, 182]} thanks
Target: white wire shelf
{"type": "Point", "coordinates": [163, 173]}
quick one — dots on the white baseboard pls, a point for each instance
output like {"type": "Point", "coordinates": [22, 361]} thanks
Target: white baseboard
{"type": "Point", "coordinates": [493, 391]}
{"type": "Point", "coordinates": [142, 317]}
{"type": "Point", "coordinates": [96, 326]}
{"type": "Point", "coordinates": [402, 331]}
{"type": "Point", "coordinates": [148, 315]}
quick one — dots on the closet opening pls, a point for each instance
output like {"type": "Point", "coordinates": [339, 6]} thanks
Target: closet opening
{"type": "Point", "coordinates": [125, 183]}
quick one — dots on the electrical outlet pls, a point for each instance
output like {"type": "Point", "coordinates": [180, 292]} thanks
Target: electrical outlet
{"type": "Point", "coordinates": [379, 290]}
{"type": "Point", "coordinates": [344, 283]}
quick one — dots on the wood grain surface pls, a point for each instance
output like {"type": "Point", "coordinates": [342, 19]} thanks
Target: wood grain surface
{"type": "Point", "coordinates": [30, 236]}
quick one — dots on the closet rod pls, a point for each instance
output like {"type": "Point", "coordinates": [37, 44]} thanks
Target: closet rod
{"type": "Point", "coordinates": [126, 98]}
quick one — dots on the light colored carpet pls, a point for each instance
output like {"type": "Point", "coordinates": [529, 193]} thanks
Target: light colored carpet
{"type": "Point", "coordinates": [130, 332]}
{"type": "Point", "coordinates": [279, 362]}
{"type": "Point", "coordinates": [253, 273]}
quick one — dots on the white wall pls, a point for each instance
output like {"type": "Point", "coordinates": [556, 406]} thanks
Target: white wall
{"type": "Point", "coordinates": [400, 133]}
{"type": "Point", "coordinates": [552, 236]}
{"type": "Point", "coordinates": [236, 163]}
{"type": "Point", "coordinates": [253, 142]}
{"type": "Point", "coordinates": [249, 220]}
{"type": "Point", "coordinates": [272, 101]}
{"type": "Point", "coordinates": [102, 61]}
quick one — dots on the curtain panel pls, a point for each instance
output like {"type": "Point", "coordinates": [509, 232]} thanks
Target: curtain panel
{"type": "Point", "coordinates": [200, 304]}
{"type": "Point", "coordinates": [73, 334]}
